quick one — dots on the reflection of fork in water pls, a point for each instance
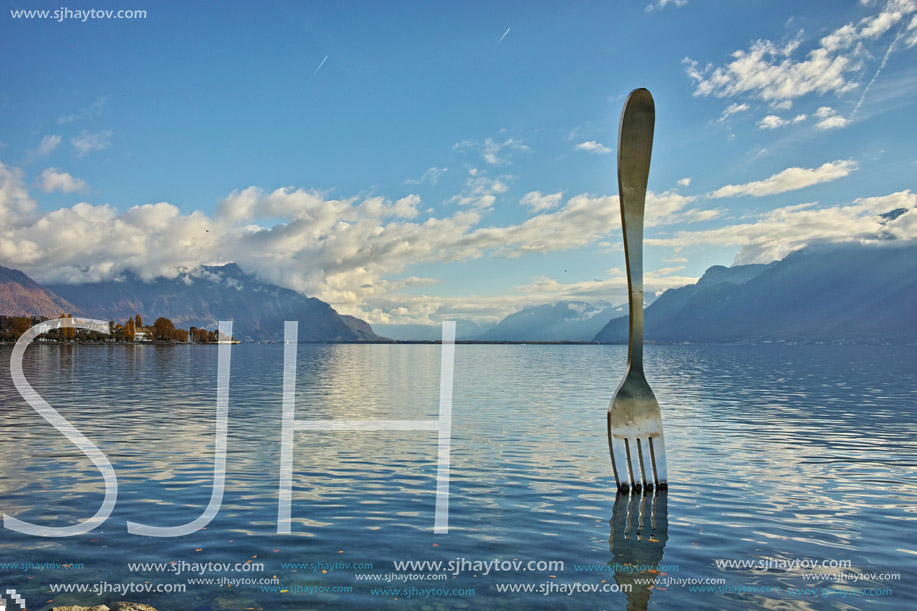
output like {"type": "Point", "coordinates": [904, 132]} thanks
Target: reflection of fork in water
{"type": "Point", "coordinates": [639, 530]}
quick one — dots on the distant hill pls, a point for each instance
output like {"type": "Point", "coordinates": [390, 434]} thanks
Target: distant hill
{"type": "Point", "coordinates": [22, 296]}
{"type": "Point", "coordinates": [212, 293]}
{"type": "Point", "coordinates": [839, 292]}
{"type": "Point", "coordinates": [359, 326]}
{"type": "Point", "coordinates": [572, 321]}
{"type": "Point", "coordinates": [464, 330]}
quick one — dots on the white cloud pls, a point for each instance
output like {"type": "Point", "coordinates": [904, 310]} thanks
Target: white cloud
{"type": "Point", "coordinates": [427, 309]}
{"type": "Point", "coordinates": [775, 73]}
{"type": "Point", "coordinates": [789, 179]}
{"type": "Point", "coordinates": [431, 176]}
{"type": "Point", "coordinates": [340, 250]}
{"type": "Point", "coordinates": [492, 151]}
{"type": "Point", "coordinates": [48, 144]}
{"type": "Point", "coordinates": [733, 109]}
{"type": "Point", "coordinates": [767, 72]}
{"type": "Point", "coordinates": [894, 12]}
{"type": "Point", "coordinates": [831, 123]}
{"type": "Point", "coordinates": [15, 203]}
{"type": "Point", "coordinates": [593, 147]}
{"type": "Point", "coordinates": [88, 142]}
{"type": "Point", "coordinates": [538, 201]}
{"type": "Point", "coordinates": [684, 182]}
{"type": "Point", "coordinates": [346, 251]}
{"type": "Point", "coordinates": [829, 119]}
{"type": "Point", "coordinates": [775, 234]}
{"type": "Point", "coordinates": [481, 191]}
{"type": "Point", "coordinates": [614, 289]}
{"type": "Point", "coordinates": [52, 180]}
{"type": "Point", "coordinates": [669, 208]}
{"type": "Point", "coordinates": [772, 122]}
{"type": "Point", "coordinates": [93, 110]}
{"type": "Point", "coordinates": [661, 4]}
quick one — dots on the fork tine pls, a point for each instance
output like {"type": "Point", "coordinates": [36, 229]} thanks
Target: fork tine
{"type": "Point", "coordinates": [643, 464]}
{"type": "Point", "coordinates": [619, 462]}
{"type": "Point", "coordinates": [630, 465]}
{"type": "Point", "coordinates": [657, 454]}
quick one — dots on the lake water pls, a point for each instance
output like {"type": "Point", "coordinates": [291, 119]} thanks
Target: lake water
{"type": "Point", "coordinates": [781, 455]}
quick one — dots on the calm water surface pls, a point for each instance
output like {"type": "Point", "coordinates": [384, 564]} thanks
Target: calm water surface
{"type": "Point", "coordinates": [776, 454]}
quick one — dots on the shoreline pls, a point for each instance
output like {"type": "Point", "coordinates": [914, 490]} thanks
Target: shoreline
{"type": "Point", "coordinates": [478, 342]}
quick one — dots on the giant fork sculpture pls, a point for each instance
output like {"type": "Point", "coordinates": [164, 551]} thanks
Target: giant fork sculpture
{"type": "Point", "coordinates": [635, 436]}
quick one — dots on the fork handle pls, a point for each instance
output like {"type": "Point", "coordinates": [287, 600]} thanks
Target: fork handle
{"type": "Point", "coordinates": [635, 147]}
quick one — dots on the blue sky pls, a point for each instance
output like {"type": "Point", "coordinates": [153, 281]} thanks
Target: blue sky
{"type": "Point", "coordinates": [415, 161]}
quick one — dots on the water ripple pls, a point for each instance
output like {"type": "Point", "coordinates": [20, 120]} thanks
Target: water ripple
{"type": "Point", "coordinates": [776, 452]}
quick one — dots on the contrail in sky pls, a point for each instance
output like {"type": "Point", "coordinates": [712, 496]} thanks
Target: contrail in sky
{"type": "Point", "coordinates": [504, 36]}
{"type": "Point", "coordinates": [317, 69]}
{"type": "Point", "coordinates": [876, 75]}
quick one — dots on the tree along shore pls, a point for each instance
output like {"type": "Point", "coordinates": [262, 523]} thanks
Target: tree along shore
{"type": "Point", "coordinates": [131, 331]}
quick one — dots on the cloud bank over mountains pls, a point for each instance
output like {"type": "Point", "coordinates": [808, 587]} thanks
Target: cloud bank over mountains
{"type": "Point", "coordinates": [353, 252]}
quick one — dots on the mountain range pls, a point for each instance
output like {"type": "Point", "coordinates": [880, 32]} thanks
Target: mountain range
{"type": "Point", "coordinates": [563, 321]}
{"type": "Point", "coordinates": [464, 330]}
{"type": "Point", "coordinates": [200, 298]}
{"type": "Point", "coordinates": [841, 292]}
{"type": "Point", "coordinates": [571, 321]}
{"type": "Point", "coordinates": [829, 293]}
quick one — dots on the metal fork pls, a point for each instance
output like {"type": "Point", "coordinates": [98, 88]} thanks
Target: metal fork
{"type": "Point", "coordinates": [635, 436]}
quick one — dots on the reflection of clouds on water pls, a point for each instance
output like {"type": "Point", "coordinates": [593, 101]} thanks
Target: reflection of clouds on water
{"type": "Point", "coordinates": [134, 403]}
{"type": "Point", "coordinates": [374, 477]}
{"type": "Point", "coordinates": [797, 440]}
{"type": "Point", "coordinates": [639, 531]}
{"type": "Point", "coordinates": [777, 452]}
{"type": "Point", "coordinates": [151, 410]}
